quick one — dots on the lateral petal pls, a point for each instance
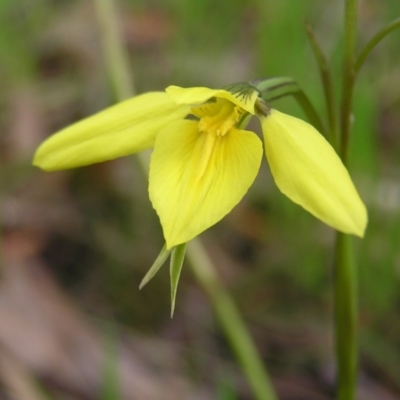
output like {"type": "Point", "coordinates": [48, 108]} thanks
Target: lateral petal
{"type": "Point", "coordinates": [199, 95]}
{"type": "Point", "coordinates": [123, 129]}
{"type": "Point", "coordinates": [308, 171]}
{"type": "Point", "coordinates": [196, 179]}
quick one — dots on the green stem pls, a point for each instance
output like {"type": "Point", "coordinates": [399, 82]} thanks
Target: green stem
{"type": "Point", "coordinates": [326, 78]}
{"type": "Point", "coordinates": [225, 309]}
{"type": "Point", "coordinates": [116, 58]}
{"type": "Point", "coordinates": [350, 33]}
{"type": "Point", "coordinates": [231, 322]}
{"type": "Point", "coordinates": [345, 290]}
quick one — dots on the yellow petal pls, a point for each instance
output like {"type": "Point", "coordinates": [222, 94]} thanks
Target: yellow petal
{"type": "Point", "coordinates": [307, 170]}
{"type": "Point", "coordinates": [126, 128]}
{"type": "Point", "coordinates": [197, 178]}
{"type": "Point", "coordinates": [199, 95]}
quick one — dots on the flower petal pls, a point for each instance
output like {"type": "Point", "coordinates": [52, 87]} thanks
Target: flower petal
{"type": "Point", "coordinates": [197, 178]}
{"type": "Point", "coordinates": [126, 128]}
{"type": "Point", "coordinates": [199, 95]}
{"type": "Point", "coordinates": [307, 170]}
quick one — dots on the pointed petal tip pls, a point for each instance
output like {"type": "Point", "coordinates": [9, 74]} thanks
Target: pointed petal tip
{"type": "Point", "coordinates": [38, 162]}
{"type": "Point", "coordinates": [360, 234]}
{"type": "Point", "coordinates": [363, 223]}
{"type": "Point", "coordinates": [357, 231]}
{"type": "Point", "coordinates": [172, 241]}
{"type": "Point", "coordinates": [41, 163]}
{"type": "Point", "coordinates": [171, 244]}
{"type": "Point", "coordinates": [353, 223]}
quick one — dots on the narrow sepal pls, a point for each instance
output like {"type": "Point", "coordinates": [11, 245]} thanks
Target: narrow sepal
{"type": "Point", "coordinates": [158, 263]}
{"type": "Point", "coordinates": [177, 258]}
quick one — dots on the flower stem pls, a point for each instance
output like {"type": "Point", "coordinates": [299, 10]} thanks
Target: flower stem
{"type": "Point", "coordinates": [203, 269]}
{"type": "Point", "coordinates": [231, 322]}
{"type": "Point", "coordinates": [115, 56]}
{"type": "Point", "coordinates": [350, 33]}
{"type": "Point", "coordinates": [345, 295]}
{"type": "Point", "coordinates": [345, 290]}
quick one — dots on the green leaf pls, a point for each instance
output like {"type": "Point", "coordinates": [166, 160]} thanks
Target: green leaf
{"type": "Point", "coordinates": [160, 260]}
{"type": "Point", "coordinates": [373, 42]}
{"type": "Point", "coordinates": [326, 78]}
{"type": "Point", "coordinates": [177, 257]}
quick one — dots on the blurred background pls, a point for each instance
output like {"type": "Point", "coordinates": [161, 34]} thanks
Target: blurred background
{"type": "Point", "coordinates": [76, 244]}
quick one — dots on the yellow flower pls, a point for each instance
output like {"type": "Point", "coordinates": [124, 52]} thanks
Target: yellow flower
{"type": "Point", "coordinates": [203, 162]}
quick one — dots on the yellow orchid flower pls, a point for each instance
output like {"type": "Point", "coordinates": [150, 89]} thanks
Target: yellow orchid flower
{"type": "Point", "coordinates": [203, 160]}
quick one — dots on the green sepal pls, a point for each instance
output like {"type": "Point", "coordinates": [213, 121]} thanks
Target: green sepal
{"type": "Point", "coordinates": [264, 86]}
{"type": "Point", "coordinates": [177, 257]}
{"type": "Point", "coordinates": [160, 260]}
